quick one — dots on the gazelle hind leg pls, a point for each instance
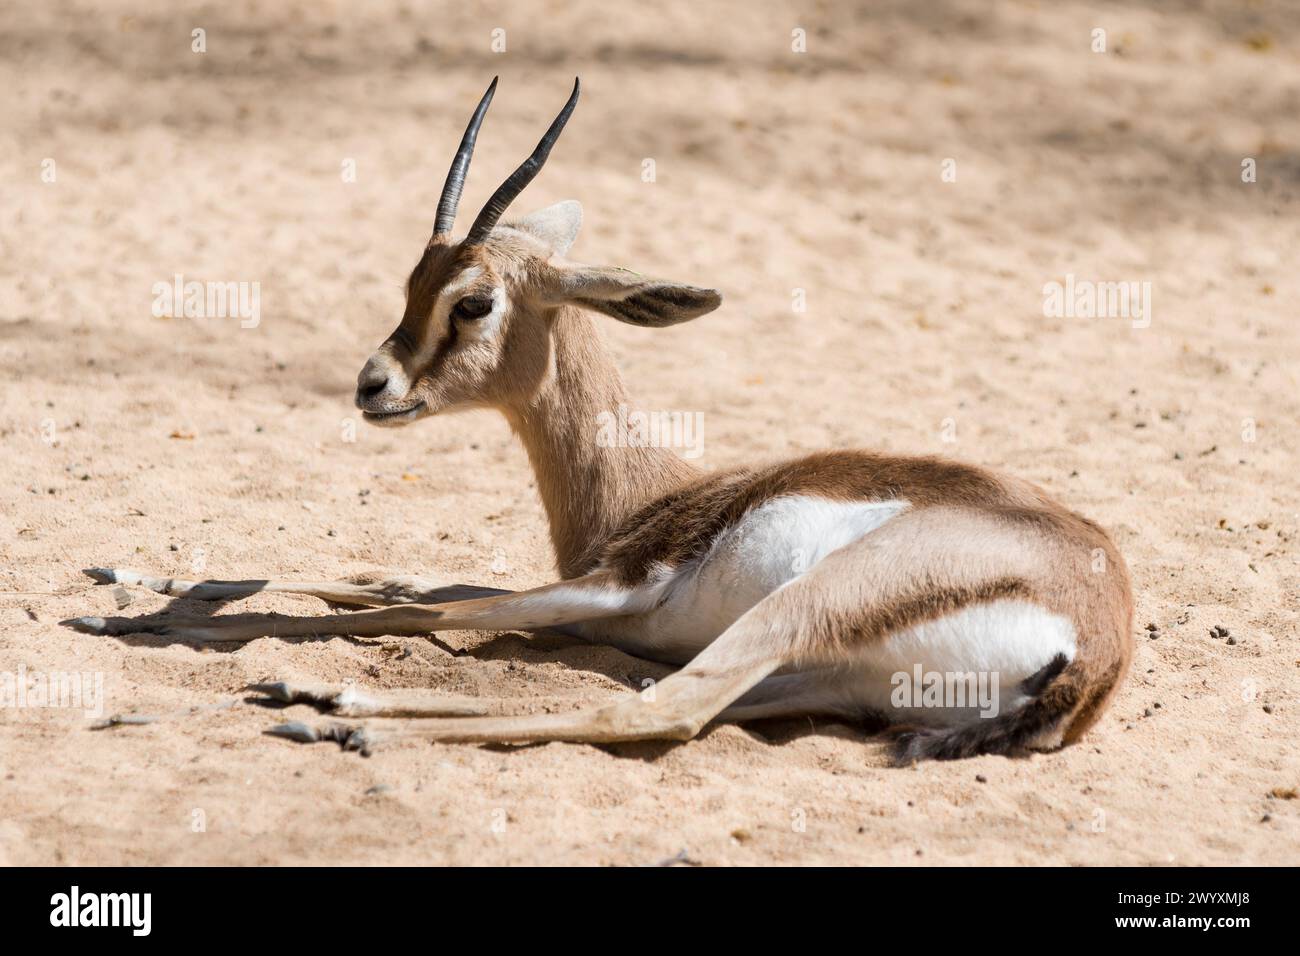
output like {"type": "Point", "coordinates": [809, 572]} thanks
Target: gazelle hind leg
{"type": "Point", "coordinates": [564, 602]}
{"type": "Point", "coordinates": [812, 693]}
{"type": "Point", "coordinates": [385, 593]}
{"type": "Point", "coordinates": [674, 709]}
{"type": "Point", "coordinates": [348, 701]}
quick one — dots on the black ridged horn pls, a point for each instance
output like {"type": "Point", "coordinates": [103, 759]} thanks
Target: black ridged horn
{"type": "Point", "coordinates": [521, 177]}
{"type": "Point", "coordinates": [459, 167]}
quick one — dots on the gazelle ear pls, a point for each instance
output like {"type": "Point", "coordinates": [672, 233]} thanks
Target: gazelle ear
{"type": "Point", "coordinates": [630, 297]}
{"type": "Point", "coordinates": [556, 225]}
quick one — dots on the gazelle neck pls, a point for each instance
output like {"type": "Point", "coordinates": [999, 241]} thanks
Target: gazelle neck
{"type": "Point", "coordinates": [587, 488]}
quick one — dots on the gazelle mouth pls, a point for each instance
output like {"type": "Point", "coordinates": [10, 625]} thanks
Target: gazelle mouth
{"type": "Point", "coordinates": [406, 414]}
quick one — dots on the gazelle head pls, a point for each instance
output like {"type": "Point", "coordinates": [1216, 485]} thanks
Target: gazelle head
{"type": "Point", "coordinates": [479, 311]}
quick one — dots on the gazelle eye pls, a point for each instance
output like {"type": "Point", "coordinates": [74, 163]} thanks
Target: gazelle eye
{"type": "Point", "coordinates": [472, 307]}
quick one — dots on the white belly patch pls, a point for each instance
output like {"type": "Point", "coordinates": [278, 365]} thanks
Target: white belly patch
{"type": "Point", "coordinates": [771, 545]}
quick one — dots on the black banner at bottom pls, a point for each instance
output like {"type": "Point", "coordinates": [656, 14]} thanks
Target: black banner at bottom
{"type": "Point", "coordinates": [296, 906]}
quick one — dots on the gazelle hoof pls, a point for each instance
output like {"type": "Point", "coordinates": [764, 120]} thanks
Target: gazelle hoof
{"type": "Point", "coordinates": [88, 625]}
{"type": "Point", "coordinates": [347, 737]}
{"type": "Point", "coordinates": [278, 691]}
{"type": "Point", "coordinates": [296, 731]}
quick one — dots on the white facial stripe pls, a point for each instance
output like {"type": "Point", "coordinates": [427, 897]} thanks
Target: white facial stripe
{"type": "Point", "coordinates": [440, 319]}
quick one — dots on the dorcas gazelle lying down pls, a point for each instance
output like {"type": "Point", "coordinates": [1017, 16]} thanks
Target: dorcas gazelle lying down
{"type": "Point", "coordinates": [844, 583]}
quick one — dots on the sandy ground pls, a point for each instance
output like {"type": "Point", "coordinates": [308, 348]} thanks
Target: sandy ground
{"type": "Point", "coordinates": [173, 444]}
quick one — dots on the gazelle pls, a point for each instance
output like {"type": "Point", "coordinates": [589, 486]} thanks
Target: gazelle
{"type": "Point", "coordinates": [820, 585]}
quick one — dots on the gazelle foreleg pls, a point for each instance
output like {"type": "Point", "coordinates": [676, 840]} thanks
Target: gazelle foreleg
{"type": "Point", "coordinates": [564, 602]}
{"type": "Point", "coordinates": [391, 591]}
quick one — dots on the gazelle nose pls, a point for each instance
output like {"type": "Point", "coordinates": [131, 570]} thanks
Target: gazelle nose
{"type": "Point", "coordinates": [372, 380]}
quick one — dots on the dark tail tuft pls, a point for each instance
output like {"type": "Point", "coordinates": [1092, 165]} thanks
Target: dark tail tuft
{"type": "Point", "coordinates": [1055, 691]}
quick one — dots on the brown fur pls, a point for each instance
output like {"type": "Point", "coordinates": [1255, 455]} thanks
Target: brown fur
{"type": "Point", "coordinates": [588, 491]}
{"type": "Point", "coordinates": [683, 524]}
